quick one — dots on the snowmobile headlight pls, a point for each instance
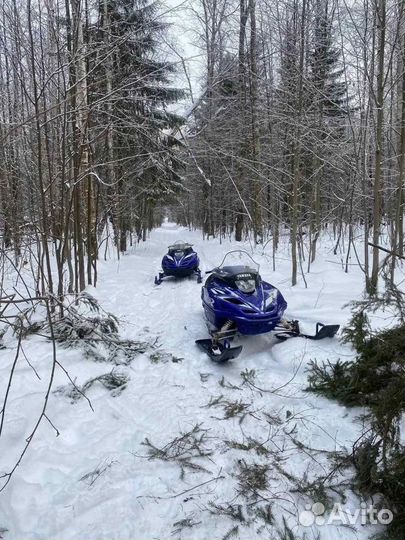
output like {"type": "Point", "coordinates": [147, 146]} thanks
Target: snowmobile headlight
{"type": "Point", "coordinates": [179, 253]}
{"type": "Point", "coordinates": [246, 285]}
{"type": "Point", "coordinates": [271, 298]}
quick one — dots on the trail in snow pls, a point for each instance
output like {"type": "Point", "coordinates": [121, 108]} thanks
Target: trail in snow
{"type": "Point", "coordinates": [126, 495]}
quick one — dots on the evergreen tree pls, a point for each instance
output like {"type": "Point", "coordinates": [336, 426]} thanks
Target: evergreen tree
{"type": "Point", "coordinates": [133, 90]}
{"type": "Point", "coordinates": [327, 108]}
{"type": "Point", "coordinates": [325, 80]}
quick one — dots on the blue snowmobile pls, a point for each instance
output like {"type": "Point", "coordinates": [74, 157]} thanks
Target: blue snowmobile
{"type": "Point", "coordinates": [237, 301]}
{"type": "Point", "coordinates": [180, 261]}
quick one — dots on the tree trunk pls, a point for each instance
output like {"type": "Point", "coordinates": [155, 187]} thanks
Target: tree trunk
{"type": "Point", "coordinates": [381, 22]}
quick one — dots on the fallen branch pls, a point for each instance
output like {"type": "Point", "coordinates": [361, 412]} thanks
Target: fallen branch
{"type": "Point", "coordinates": [181, 492]}
{"type": "Point", "coordinates": [389, 251]}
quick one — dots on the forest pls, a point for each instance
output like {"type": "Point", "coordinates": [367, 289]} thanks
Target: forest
{"type": "Point", "coordinates": [298, 126]}
{"type": "Point", "coordinates": [276, 127]}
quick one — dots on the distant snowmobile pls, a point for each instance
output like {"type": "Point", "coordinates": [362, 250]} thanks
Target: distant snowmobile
{"type": "Point", "coordinates": [180, 261]}
{"type": "Point", "coordinates": [237, 301]}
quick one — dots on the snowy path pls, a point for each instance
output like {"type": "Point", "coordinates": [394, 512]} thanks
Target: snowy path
{"type": "Point", "coordinates": [280, 429]}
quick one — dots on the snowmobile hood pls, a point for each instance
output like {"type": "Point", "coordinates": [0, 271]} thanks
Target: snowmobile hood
{"type": "Point", "coordinates": [252, 313]}
{"type": "Point", "coordinates": [265, 299]}
{"type": "Point", "coordinates": [180, 259]}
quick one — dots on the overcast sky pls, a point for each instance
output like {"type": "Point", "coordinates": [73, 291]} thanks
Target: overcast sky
{"type": "Point", "coordinates": [183, 38]}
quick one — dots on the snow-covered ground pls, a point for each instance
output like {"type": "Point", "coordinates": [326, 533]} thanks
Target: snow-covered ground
{"type": "Point", "coordinates": [242, 442]}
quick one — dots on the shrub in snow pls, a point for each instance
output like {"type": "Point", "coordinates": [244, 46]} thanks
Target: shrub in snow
{"type": "Point", "coordinates": [376, 379]}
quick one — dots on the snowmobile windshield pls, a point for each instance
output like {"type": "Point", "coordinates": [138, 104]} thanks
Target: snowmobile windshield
{"type": "Point", "coordinates": [240, 261]}
{"type": "Point", "coordinates": [242, 269]}
{"type": "Point", "coordinates": [180, 248]}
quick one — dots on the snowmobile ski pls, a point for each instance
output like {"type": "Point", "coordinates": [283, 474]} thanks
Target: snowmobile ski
{"type": "Point", "coordinates": [322, 331]}
{"type": "Point", "coordinates": [218, 353]}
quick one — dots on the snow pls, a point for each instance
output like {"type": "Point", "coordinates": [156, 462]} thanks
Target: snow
{"type": "Point", "coordinates": [95, 480]}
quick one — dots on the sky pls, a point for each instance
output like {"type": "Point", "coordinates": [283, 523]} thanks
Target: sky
{"type": "Point", "coordinates": [182, 45]}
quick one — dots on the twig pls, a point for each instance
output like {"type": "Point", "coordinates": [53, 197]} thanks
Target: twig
{"type": "Point", "coordinates": [181, 492]}
{"type": "Point", "coordinates": [390, 252]}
